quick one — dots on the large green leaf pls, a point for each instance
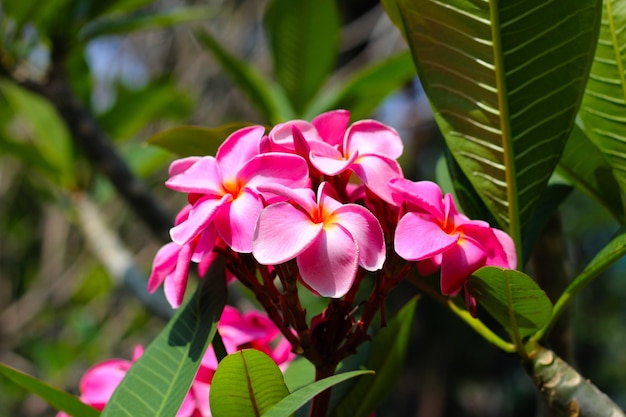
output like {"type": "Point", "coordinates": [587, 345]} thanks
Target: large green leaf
{"type": "Point", "coordinates": [294, 401]}
{"type": "Point", "coordinates": [587, 169]}
{"type": "Point", "coordinates": [304, 40]}
{"type": "Point", "coordinates": [114, 25]}
{"type": "Point", "coordinates": [159, 381]}
{"type": "Point", "coordinates": [505, 80]}
{"type": "Point", "coordinates": [194, 140]}
{"type": "Point", "coordinates": [604, 105]}
{"type": "Point", "coordinates": [269, 98]}
{"type": "Point", "coordinates": [61, 400]}
{"type": "Point", "coordinates": [387, 360]}
{"type": "Point", "coordinates": [246, 384]}
{"type": "Point", "coordinates": [37, 122]}
{"type": "Point", "coordinates": [363, 92]}
{"type": "Point", "coordinates": [512, 298]}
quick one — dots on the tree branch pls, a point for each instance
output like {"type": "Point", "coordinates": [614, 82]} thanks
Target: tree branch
{"type": "Point", "coordinates": [565, 390]}
{"type": "Point", "coordinates": [98, 148]}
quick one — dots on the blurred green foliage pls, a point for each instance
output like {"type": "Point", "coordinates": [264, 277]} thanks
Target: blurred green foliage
{"type": "Point", "coordinates": [136, 71]}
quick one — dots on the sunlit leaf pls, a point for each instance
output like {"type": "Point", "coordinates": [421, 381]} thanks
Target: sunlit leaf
{"type": "Point", "coordinates": [364, 91]}
{"type": "Point", "coordinates": [268, 98]}
{"type": "Point", "coordinates": [603, 111]}
{"type": "Point", "coordinates": [387, 356]}
{"type": "Point", "coordinates": [159, 381]}
{"type": "Point", "coordinates": [37, 122]}
{"type": "Point", "coordinates": [300, 372]}
{"type": "Point", "coordinates": [512, 298]}
{"type": "Point", "coordinates": [587, 169]}
{"type": "Point", "coordinates": [304, 39]}
{"type": "Point", "coordinates": [246, 384]}
{"type": "Point", "coordinates": [60, 400]}
{"type": "Point", "coordinates": [297, 399]}
{"type": "Point", "coordinates": [194, 140]}
{"type": "Point", "coordinates": [505, 81]}
{"type": "Point", "coordinates": [115, 25]}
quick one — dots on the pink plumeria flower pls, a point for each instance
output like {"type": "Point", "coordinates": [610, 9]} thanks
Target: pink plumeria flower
{"type": "Point", "coordinates": [367, 148]}
{"type": "Point", "coordinates": [171, 263]}
{"type": "Point", "coordinates": [328, 239]}
{"type": "Point", "coordinates": [223, 190]}
{"type": "Point", "coordinates": [433, 230]}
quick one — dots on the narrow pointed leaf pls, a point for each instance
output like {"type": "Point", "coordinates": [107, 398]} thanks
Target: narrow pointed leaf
{"type": "Point", "coordinates": [512, 298]}
{"type": "Point", "coordinates": [611, 253]}
{"type": "Point", "coordinates": [60, 400]}
{"type": "Point", "coordinates": [158, 382]}
{"type": "Point", "coordinates": [604, 106]}
{"type": "Point", "coordinates": [194, 140]}
{"type": "Point", "coordinates": [246, 384]}
{"type": "Point", "coordinates": [366, 89]}
{"type": "Point", "coordinates": [387, 360]}
{"type": "Point", "coordinates": [583, 164]}
{"type": "Point", "coordinates": [304, 39]}
{"type": "Point", "coordinates": [115, 25]}
{"type": "Point", "coordinates": [297, 399]}
{"type": "Point", "coordinates": [268, 98]}
{"type": "Point", "coordinates": [505, 80]}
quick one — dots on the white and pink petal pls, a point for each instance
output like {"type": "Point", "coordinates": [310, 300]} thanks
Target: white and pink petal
{"type": "Point", "coordinates": [282, 233]}
{"type": "Point", "coordinates": [328, 266]}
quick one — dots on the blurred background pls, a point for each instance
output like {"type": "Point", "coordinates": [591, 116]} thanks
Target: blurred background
{"type": "Point", "coordinates": [83, 208]}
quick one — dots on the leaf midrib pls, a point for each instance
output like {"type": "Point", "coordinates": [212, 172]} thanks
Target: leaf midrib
{"type": "Point", "coordinates": [505, 128]}
{"type": "Point", "coordinates": [615, 43]}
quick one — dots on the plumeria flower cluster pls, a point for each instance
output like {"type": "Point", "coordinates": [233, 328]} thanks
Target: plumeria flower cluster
{"type": "Point", "coordinates": [326, 195]}
{"type": "Point", "coordinates": [252, 329]}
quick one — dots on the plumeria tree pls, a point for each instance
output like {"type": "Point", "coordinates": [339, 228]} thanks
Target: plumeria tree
{"type": "Point", "coordinates": [530, 97]}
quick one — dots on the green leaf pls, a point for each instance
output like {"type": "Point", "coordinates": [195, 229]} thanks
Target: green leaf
{"type": "Point", "coordinates": [158, 382]}
{"type": "Point", "coordinates": [268, 98]}
{"type": "Point", "coordinates": [587, 169]}
{"type": "Point", "coordinates": [505, 81]}
{"type": "Point", "coordinates": [134, 109]}
{"type": "Point", "coordinates": [145, 160]}
{"type": "Point", "coordinates": [37, 12]}
{"type": "Point", "coordinates": [611, 253]}
{"type": "Point", "coordinates": [246, 384]}
{"type": "Point", "coordinates": [40, 125]}
{"type": "Point", "coordinates": [296, 400]}
{"type": "Point", "coordinates": [304, 40]}
{"type": "Point", "coordinates": [194, 140]}
{"type": "Point", "coordinates": [363, 92]}
{"type": "Point", "coordinates": [300, 372]}
{"type": "Point", "coordinates": [512, 298]}
{"type": "Point", "coordinates": [603, 110]}
{"type": "Point", "coordinates": [387, 356]}
{"type": "Point", "coordinates": [115, 25]}
{"type": "Point", "coordinates": [61, 400]}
